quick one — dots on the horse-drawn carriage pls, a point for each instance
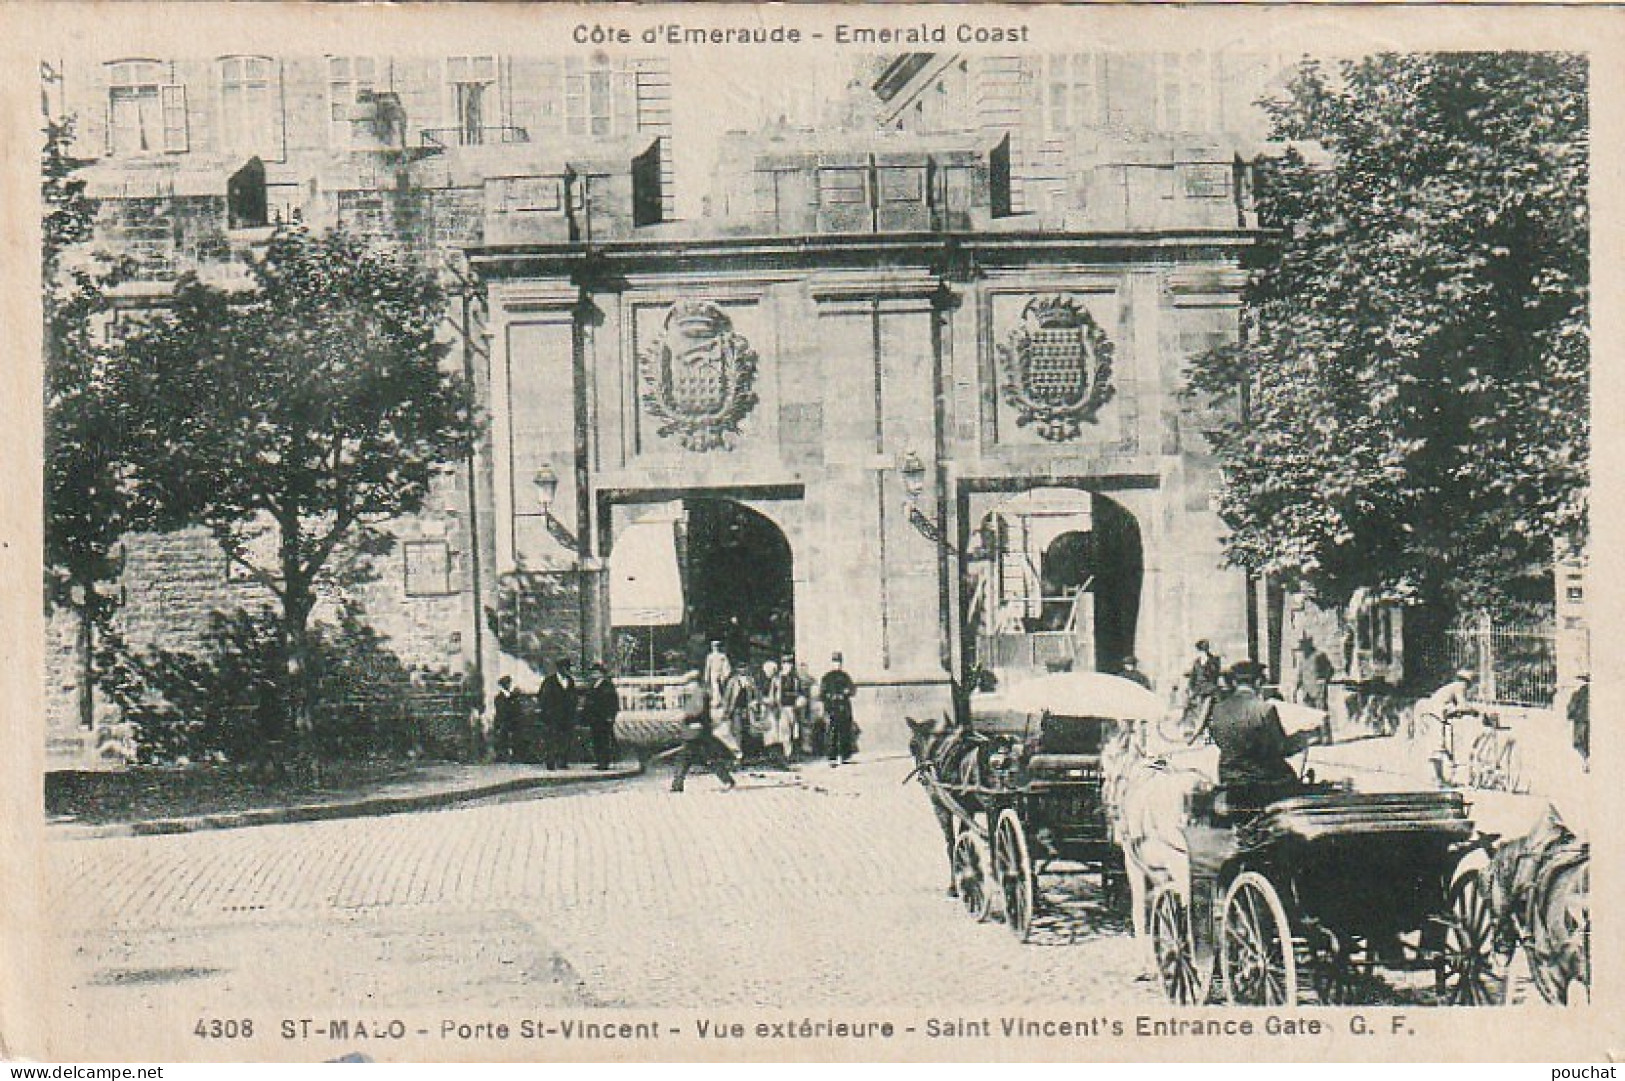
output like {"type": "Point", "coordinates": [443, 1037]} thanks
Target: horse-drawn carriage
{"type": "Point", "coordinates": [1311, 893]}
{"type": "Point", "coordinates": [1017, 789]}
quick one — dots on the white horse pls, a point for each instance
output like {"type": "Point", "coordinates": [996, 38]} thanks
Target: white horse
{"type": "Point", "coordinates": [1145, 800]}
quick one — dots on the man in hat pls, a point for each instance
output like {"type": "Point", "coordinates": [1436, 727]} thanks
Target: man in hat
{"type": "Point", "coordinates": [556, 709]}
{"type": "Point", "coordinates": [1253, 747]}
{"type": "Point", "coordinates": [837, 691]}
{"type": "Point", "coordinates": [507, 721]}
{"type": "Point", "coordinates": [599, 705]}
{"type": "Point", "coordinates": [700, 745]}
{"type": "Point", "coordinates": [1131, 671]}
{"type": "Point", "coordinates": [1201, 685]}
{"type": "Point", "coordinates": [1314, 675]}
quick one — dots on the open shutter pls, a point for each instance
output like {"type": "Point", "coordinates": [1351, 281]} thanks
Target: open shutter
{"type": "Point", "coordinates": [277, 106]}
{"type": "Point", "coordinates": [172, 98]}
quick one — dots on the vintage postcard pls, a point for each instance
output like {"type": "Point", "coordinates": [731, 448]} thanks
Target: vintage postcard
{"type": "Point", "coordinates": [806, 532]}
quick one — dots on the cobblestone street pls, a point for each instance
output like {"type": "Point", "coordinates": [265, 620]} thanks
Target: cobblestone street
{"type": "Point", "coordinates": [823, 888]}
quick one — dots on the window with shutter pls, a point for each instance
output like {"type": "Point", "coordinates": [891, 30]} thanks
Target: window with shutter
{"type": "Point", "coordinates": [249, 120]}
{"type": "Point", "coordinates": [473, 98]}
{"type": "Point", "coordinates": [589, 98]}
{"type": "Point", "coordinates": [135, 121]}
{"type": "Point", "coordinates": [347, 78]}
{"type": "Point", "coordinates": [173, 96]}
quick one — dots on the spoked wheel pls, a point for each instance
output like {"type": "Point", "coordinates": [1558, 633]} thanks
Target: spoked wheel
{"type": "Point", "coordinates": [1183, 980]}
{"type": "Point", "coordinates": [970, 875]}
{"type": "Point", "coordinates": [1256, 953]}
{"type": "Point", "coordinates": [1511, 767]}
{"type": "Point", "coordinates": [1468, 963]}
{"type": "Point", "coordinates": [1481, 767]}
{"type": "Point", "coordinates": [1013, 867]}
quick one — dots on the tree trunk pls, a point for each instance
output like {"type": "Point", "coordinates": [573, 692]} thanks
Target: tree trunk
{"type": "Point", "coordinates": [296, 607]}
{"type": "Point", "coordinates": [297, 601]}
{"type": "Point", "coordinates": [85, 647]}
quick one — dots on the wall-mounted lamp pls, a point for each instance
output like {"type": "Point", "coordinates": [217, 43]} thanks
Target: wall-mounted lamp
{"type": "Point", "coordinates": [547, 487]}
{"type": "Point", "coordinates": [913, 473]}
{"type": "Point", "coordinates": [912, 470]}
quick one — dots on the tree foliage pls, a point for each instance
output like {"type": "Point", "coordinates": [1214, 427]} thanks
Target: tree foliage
{"type": "Point", "coordinates": [1414, 377]}
{"type": "Point", "coordinates": [84, 456]}
{"type": "Point", "coordinates": [85, 499]}
{"type": "Point", "coordinates": [295, 416]}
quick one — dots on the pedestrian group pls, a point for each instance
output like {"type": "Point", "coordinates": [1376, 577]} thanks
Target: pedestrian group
{"type": "Point", "coordinates": [543, 728]}
{"type": "Point", "coordinates": [731, 714]}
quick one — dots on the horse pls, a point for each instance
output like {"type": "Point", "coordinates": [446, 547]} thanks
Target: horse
{"type": "Point", "coordinates": [953, 754]}
{"type": "Point", "coordinates": [1145, 802]}
{"type": "Point", "coordinates": [1540, 896]}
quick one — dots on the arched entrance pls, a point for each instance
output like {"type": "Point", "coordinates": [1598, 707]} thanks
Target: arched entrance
{"type": "Point", "coordinates": [1053, 582]}
{"type": "Point", "coordinates": [739, 575]}
{"type": "Point", "coordinates": [694, 570]}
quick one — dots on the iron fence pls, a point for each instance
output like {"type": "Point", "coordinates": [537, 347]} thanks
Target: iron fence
{"type": "Point", "coordinates": [1516, 663]}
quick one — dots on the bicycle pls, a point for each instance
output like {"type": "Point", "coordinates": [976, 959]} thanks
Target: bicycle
{"type": "Point", "coordinates": [1446, 767]}
{"type": "Point", "coordinates": [1496, 763]}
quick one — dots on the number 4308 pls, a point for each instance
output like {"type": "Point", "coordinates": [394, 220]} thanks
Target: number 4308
{"type": "Point", "coordinates": [224, 1028]}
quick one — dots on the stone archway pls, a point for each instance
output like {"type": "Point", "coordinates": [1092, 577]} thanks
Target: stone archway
{"type": "Point", "coordinates": [739, 578]}
{"type": "Point", "coordinates": [1054, 581]}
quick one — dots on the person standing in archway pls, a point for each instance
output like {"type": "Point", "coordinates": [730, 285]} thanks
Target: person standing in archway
{"type": "Point", "coordinates": [779, 708]}
{"type": "Point", "coordinates": [837, 690]}
{"type": "Point", "coordinates": [717, 670]}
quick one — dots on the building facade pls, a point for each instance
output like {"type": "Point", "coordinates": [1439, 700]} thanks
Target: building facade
{"type": "Point", "coordinates": [908, 391]}
{"type": "Point", "coordinates": [193, 160]}
{"type": "Point", "coordinates": [959, 416]}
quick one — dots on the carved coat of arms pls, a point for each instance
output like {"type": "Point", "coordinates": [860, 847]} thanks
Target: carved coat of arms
{"type": "Point", "coordinates": [698, 377]}
{"type": "Point", "coordinates": [1057, 367]}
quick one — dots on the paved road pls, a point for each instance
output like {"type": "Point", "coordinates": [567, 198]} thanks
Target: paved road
{"type": "Point", "coordinates": [818, 889]}
{"type": "Point", "coordinates": [822, 889]}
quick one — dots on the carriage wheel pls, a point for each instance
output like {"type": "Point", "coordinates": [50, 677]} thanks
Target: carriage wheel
{"type": "Point", "coordinates": [1183, 981]}
{"type": "Point", "coordinates": [1256, 952]}
{"type": "Point", "coordinates": [1468, 961]}
{"type": "Point", "coordinates": [1014, 869]}
{"type": "Point", "coordinates": [970, 875]}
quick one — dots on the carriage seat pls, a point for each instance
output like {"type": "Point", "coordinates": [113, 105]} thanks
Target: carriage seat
{"type": "Point", "coordinates": [1066, 766]}
{"type": "Point", "coordinates": [1063, 735]}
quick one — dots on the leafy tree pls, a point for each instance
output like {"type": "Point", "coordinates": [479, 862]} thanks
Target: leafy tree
{"type": "Point", "coordinates": [1414, 381]}
{"type": "Point", "coordinates": [86, 505]}
{"type": "Point", "coordinates": [294, 417]}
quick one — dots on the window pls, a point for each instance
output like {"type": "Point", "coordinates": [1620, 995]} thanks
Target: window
{"type": "Point", "coordinates": [589, 99]}
{"type": "Point", "coordinates": [1067, 89]}
{"type": "Point", "coordinates": [347, 78]}
{"type": "Point", "coordinates": [248, 105]}
{"type": "Point", "coordinates": [838, 185]}
{"type": "Point", "coordinates": [428, 568]}
{"type": "Point", "coordinates": [474, 106]}
{"type": "Point", "coordinates": [145, 112]}
{"type": "Point", "coordinates": [1185, 89]}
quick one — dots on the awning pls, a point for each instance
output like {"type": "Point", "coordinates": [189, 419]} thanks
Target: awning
{"type": "Point", "coordinates": [645, 587]}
